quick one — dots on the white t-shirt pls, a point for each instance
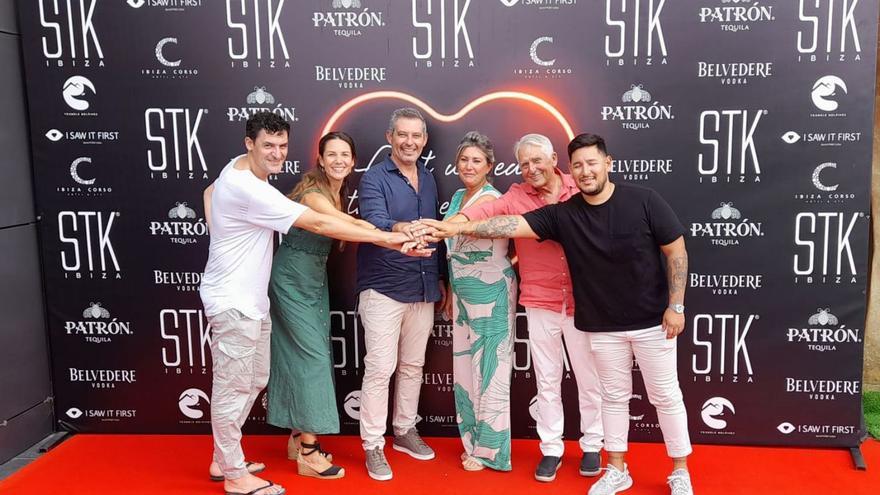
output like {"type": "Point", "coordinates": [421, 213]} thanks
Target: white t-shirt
{"type": "Point", "coordinates": [244, 212]}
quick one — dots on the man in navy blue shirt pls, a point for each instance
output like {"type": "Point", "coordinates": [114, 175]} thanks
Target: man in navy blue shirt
{"type": "Point", "coordinates": [397, 292]}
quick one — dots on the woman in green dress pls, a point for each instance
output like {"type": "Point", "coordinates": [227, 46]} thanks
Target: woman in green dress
{"type": "Point", "coordinates": [482, 306]}
{"type": "Point", "coordinates": [301, 383]}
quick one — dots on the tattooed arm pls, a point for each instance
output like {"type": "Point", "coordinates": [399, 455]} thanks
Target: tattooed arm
{"type": "Point", "coordinates": [493, 228]}
{"type": "Point", "coordinates": [676, 275]}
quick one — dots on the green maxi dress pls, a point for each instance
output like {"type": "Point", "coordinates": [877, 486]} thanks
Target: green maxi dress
{"type": "Point", "coordinates": [484, 303]}
{"type": "Point", "coordinates": [301, 382]}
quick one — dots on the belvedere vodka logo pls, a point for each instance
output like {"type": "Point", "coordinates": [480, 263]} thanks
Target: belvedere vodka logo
{"type": "Point", "coordinates": [76, 92]}
{"type": "Point", "coordinates": [825, 186]}
{"type": "Point", "coordinates": [441, 36]}
{"type": "Point", "coordinates": [727, 284]}
{"type": "Point", "coordinates": [734, 73]}
{"type": "Point", "coordinates": [823, 332]}
{"type": "Point", "coordinates": [173, 149]}
{"type": "Point", "coordinates": [828, 31]}
{"type": "Point", "coordinates": [101, 378]}
{"type": "Point", "coordinates": [544, 65]}
{"type": "Point", "coordinates": [260, 100]}
{"type": "Point", "coordinates": [639, 110]}
{"type": "Point", "coordinates": [715, 413]}
{"type": "Point", "coordinates": [182, 226]}
{"type": "Point", "coordinates": [823, 250]}
{"type": "Point", "coordinates": [97, 326]}
{"type": "Point", "coordinates": [825, 93]}
{"type": "Point", "coordinates": [169, 63]}
{"type": "Point", "coordinates": [443, 382]}
{"type": "Point", "coordinates": [256, 38]}
{"type": "Point", "coordinates": [729, 136]}
{"type": "Point", "coordinates": [82, 136]}
{"type": "Point", "coordinates": [640, 169]}
{"type": "Point", "coordinates": [635, 33]}
{"type": "Point", "coordinates": [822, 390]}
{"type": "Point", "coordinates": [721, 353]}
{"type": "Point", "coordinates": [166, 5]}
{"type": "Point", "coordinates": [69, 37]}
{"type": "Point", "coordinates": [83, 182]}
{"type": "Point", "coordinates": [737, 15]}
{"type": "Point", "coordinates": [186, 341]}
{"type": "Point", "coordinates": [351, 77]}
{"type": "Point", "coordinates": [87, 250]}
{"type": "Point", "coordinates": [349, 18]}
{"type": "Point", "coordinates": [194, 403]}
{"type": "Point", "coordinates": [180, 281]}
{"type": "Point", "coordinates": [727, 228]}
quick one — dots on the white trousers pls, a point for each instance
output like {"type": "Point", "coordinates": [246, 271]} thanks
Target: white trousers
{"type": "Point", "coordinates": [395, 335]}
{"type": "Point", "coordinates": [656, 355]}
{"type": "Point", "coordinates": [546, 332]}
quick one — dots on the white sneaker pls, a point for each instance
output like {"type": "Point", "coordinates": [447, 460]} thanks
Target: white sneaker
{"type": "Point", "coordinates": [613, 481]}
{"type": "Point", "coordinates": [680, 482]}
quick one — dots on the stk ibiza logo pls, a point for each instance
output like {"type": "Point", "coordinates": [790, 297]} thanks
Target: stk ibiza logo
{"type": "Point", "coordinates": [186, 341]}
{"type": "Point", "coordinates": [828, 31]}
{"type": "Point", "coordinates": [76, 92]}
{"type": "Point", "coordinates": [731, 156]}
{"type": "Point", "coordinates": [348, 18]}
{"type": "Point", "coordinates": [639, 110]}
{"type": "Point", "coordinates": [824, 332]}
{"type": "Point", "coordinates": [721, 352]}
{"type": "Point", "coordinates": [69, 37]}
{"type": "Point", "coordinates": [174, 150]}
{"type": "Point", "coordinates": [441, 38]}
{"type": "Point", "coordinates": [194, 403]}
{"type": "Point", "coordinates": [256, 37]}
{"type": "Point", "coordinates": [634, 33]}
{"type": "Point", "coordinates": [824, 249]}
{"type": "Point", "coordinates": [713, 413]}
{"type": "Point", "coordinates": [87, 248]}
{"type": "Point", "coordinates": [261, 100]}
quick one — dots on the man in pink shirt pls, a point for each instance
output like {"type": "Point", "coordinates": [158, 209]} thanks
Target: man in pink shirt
{"type": "Point", "coordinates": [546, 293]}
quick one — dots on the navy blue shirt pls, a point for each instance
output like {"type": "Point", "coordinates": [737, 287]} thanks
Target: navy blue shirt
{"type": "Point", "coordinates": [386, 197]}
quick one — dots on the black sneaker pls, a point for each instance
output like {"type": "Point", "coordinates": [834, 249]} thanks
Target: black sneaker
{"type": "Point", "coordinates": [546, 470]}
{"type": "Point", "coordinates": [591, 464]}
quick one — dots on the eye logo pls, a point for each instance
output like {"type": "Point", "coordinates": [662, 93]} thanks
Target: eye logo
{"type": "Point", "coordinates": [823, 317]}
{"type": "Point", "coordinates": [818, 182]}
{"type": "Point", "coordinates": [726, 212]}
{"type": "Point", "coordinates": [136, 3]}
{"type": "Point", "coordinates": [54, 135]}
{"type": "Point", "coordinates": [785, 428]}
{"type": "Point", "coordinates": [533, 52]}
{"type": "Point", "coordinates": [509, 3]}
{"type": "Point", "coordinates": [713, 408]}
{"type": "Point", "coordinates": [826, 88]}
{"type": "Point", "coordinates": [791, 137]}
{"type": "Point", "coordinates": [74, 89]}
{"type": "Point", "coordinates": [160, 56]}
{"type": "Point", "coordinates": [352, 405]}
{"type": "Point", "coordinates": [95, 311]}
{"type": "Point", "coordinates": [180, 210]}
{"type": "Point", "coordinates": [190, 402]}
{"type": "Point", "coordinates": [73, 413]}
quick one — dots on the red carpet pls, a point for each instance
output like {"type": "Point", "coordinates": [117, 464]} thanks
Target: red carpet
{"type": "Point", "coordinates": [172, 465]}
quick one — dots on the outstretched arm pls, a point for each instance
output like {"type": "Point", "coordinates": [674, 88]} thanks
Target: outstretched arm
{"type": "Point", "coordinates": [330, 226]}
{"type": "Point", "coordinates": [676, 275]}
{"type": "Point", "coordinates": [493, 228]}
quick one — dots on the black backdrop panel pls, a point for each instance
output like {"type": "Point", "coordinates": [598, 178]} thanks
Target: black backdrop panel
{"type": "Point", "coordinates": [754, 119]}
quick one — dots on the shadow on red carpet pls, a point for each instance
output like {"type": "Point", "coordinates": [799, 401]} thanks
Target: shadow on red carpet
{"type": "Point", "coordinates": [178, 464]}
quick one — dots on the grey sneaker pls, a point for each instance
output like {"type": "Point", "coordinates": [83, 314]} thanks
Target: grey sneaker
{"type": "Point", "coordinates": [377, 465]}
{"type": "Point", "coordinates": [412, 444]}
{"type": "Point", "coordinates": [591, 464]}
{"type": "Point", "coordinates": [546, 470]}
{"type": "Point", "coordinates": [680, 482]}
{"type": "Point", "coordinates": [613, 481]}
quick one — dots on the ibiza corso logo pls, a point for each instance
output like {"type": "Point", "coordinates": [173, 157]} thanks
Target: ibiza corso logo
{"type": "Point", "coordinates": [83, 183]}
{"type": "Point", "coordinates": [170, 64]}
{"type": "Point", "coordinates": [825, 186]}
{"type": "Point", "coordinates": [75, 92]}
{"type": "Point", "coordinates": [714, 409]}
{"type": "Point", "coordinates": [543, 64]}
{"type": "Point", "coordinates": [193, 403]}
{"type": "Point", "coordinates": [352, 405]}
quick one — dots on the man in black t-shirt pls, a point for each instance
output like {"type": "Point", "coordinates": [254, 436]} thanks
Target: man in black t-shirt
{"type": "Point", "coordinates": [613, 236]}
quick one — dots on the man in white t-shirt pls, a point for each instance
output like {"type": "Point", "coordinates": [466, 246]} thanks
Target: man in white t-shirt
{"type": "Point", "coordinates": [243, 212]}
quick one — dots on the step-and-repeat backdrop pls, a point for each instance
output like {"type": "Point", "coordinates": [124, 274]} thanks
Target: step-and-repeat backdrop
{"type": "Point", "coordinates": [753, 118]}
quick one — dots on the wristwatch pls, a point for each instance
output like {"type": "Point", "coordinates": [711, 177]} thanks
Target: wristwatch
{"type": "Point", "coordinates": [677, 308]}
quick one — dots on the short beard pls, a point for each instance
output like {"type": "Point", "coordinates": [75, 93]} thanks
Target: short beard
{"type": "Point", "coordinates": [599, 188]}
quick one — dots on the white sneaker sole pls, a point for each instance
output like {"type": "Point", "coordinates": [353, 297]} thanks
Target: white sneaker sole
{"type": "Point", "coordinates": [548, 479]}
{"type": "Point", "coordinates": [379, 477]}
{"type": "Point", "coordinates": [626, 486]}
{"type": "Point", "coordinates": [414, 455]}
{"type": "Point", "coordinates": [590, 473]}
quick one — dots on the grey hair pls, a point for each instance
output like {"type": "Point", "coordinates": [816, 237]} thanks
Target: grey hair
{"type": "Point", "coordinates": [406, 113]}
{"type": "Point", "coordinates": [538, 140]}
{"type": "Point", "coordinates": [479, 141]}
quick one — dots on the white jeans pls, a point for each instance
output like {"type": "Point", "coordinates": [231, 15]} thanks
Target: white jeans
{"type": "Point", "coordinates": [546, 332]}
{"type": "Point", "coordinates": [395, 335]}
{"type": "Point", "coordinates": [656, 355]}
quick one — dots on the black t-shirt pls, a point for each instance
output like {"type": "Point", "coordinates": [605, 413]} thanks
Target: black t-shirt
{"type": "Point", "coordinates": [613, 255]}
